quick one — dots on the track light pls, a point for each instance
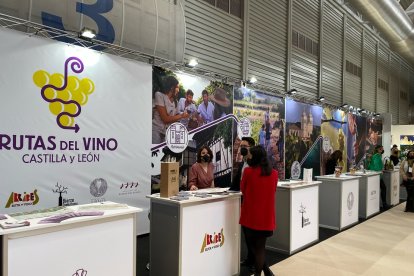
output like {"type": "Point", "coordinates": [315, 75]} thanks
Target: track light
{"type": "Point", "coordinates": [292, 91]}
{"type": "Point", "coordinates": [345, 105]}
{"type": "Point", "coordinates": [87, 33]}
{"type": "Point", "coordinates": [321, 99]}
{"type": "Point", "coordinates": [252, 80]}
{"type": "Point", "coordinates": [192, 63]}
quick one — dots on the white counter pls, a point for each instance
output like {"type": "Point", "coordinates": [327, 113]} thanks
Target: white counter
{"type": "Point", "coordinates": [392, 182]}
{"type": "Point", "coordinates": [197, 236]}
{"type": "Point", "coordinates": [297, 216]}
{"type": "Point", "coordinates": [100, 245]}
{"type": "Point", "coordinates": [338, 201]}
{"type": "Point", "coordinates": [369, 193]}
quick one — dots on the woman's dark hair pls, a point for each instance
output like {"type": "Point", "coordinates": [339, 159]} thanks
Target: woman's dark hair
{"type": "Point", "coordinates": [259, 159]}
{"type": "Point", "coordinates": [169, 83]}
{"type": "Point", "coordinates": [199, 153]}
{"type": "Point", "coordinates": [219, 110]}
{"type": "Point", "coordinates": [336, 155]}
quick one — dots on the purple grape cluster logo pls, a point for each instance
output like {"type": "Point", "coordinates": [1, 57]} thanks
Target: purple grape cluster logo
{"type": "Point", "coordinates": [65, 94]}
{"type": "Point", "coordinates": [80, 272]}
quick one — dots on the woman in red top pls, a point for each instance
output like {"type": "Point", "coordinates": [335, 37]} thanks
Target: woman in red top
{"type": "Point", "coordinates": [202, 172]}
{"type": "Point", "coordinates": [258, 186]}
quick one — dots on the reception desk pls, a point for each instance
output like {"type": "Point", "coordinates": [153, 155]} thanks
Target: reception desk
{"type": "Point", "coordinates": [197, 236]}
{"type": "Point", "coordinates": [338, 201]}
{"type": "Point", "coordinates": [369, 193]}
{"type": "Point", "coordinates": [392, 182]}
{"type": "Point", "coordinates": [297, 216]}
{"type": "Point", "coordinates": [81, 244]}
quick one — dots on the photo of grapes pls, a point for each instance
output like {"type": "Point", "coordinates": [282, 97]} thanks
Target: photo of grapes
{"type": "Point", "coordinates": [333, 130]}
{"type": "Point", "coordinates": [373, 135]}
{"type": "Point", "coordinates": [303, 136]}
{"type": "Point", "coordinates": [266, 114]}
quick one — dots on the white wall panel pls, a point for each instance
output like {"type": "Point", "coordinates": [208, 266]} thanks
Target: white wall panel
{"type": "Point", "coordinates": [369, 73]}
{"type": "Point", "coordinates": [267, 42]}
{"type": "Point", "coordinates": [214, 38]}
{"type": "Point", "coordinates": [305, 66]}
{"type": "Point", "coordinates": [395, 88]}
{"type": "Point", "coordinates": [353, 53]}
{"type": "Point", "coordinates": [332, 54]}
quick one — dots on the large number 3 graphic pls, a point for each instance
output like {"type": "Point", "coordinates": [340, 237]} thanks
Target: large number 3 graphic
{"type": "Point", "coordinates": [105, 32]}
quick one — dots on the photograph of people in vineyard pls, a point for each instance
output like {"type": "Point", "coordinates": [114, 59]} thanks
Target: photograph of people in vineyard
{"type": "Point", "coordinates": [266, 114]}
{"type": "Point", "coordinates": [197, 103]}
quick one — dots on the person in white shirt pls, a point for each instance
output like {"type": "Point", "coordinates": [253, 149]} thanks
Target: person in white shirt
{"type": "Point", "coordinates": [206, 108]}
{"type": "Point", "coordinates": [187, 105]}
{"type": "Point", "coordinates": [165, 110]}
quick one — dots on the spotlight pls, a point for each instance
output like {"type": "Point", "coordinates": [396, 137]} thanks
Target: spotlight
{"type": "Point", "coordinates": [252, 80]}
{"type": "Point", "coordinates": [87, 33]}
{"type": "Point", "coordinates": [291, 91]}
{"type": "Point", "coordinates": [192, 63]}
{"type": "Point", "coordinates": [321, 99]}
{"type": "Point", "coordinates": [345, 105]}
{"type": "Point", "coordinates": [361, 110]}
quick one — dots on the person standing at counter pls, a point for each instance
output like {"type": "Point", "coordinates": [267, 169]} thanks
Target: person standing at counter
{"type": "Point", "coordinates": [202, 172]}
{"type": "Point", "coordinates": [245, 144]}
{"type": "Point", "coordinates": [376, 165]}
{"type": "Point", "coordinates": [257, 217]}
{"type": "Point", "coordinates": [406, 171]}
{"type": "Point", "coordinates": [394, 155]}
{"type": "Point", "coordinates": [333, 161]}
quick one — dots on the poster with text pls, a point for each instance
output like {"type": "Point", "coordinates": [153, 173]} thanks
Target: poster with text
{"type": "Point", "coordinates": [72, 131]}
{"type": "Point", "coordinates": [356, 139]}
{"type": "Point", "coordinates": [203, 110]}
{"type": "Point", "coordinates": [333, 130]}
{"type": "Point", "coordinates": [303, 136]}
{"type": "Point", "coordinates": [266, 115]}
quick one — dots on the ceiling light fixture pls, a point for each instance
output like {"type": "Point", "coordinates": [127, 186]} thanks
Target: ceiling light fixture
{"type": "Point", "coordinates": [321, 99]}
{"type": "Point", "coordinates": [292, 91]}
{"type": "Point", "coordinates": [87, 33]}
{"type": "Point", "coordinates": [192, 63]}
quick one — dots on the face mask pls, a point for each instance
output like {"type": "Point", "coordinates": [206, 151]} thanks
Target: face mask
{"type": "Point", "coordinates": [205, 158]}
{"type": "Point", "coordinates": [244, 151]}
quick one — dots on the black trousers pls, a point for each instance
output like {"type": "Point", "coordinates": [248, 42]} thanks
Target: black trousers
{"type": "Point", "coordinates": [256, 242]}
{"type": "Point", "coordinates": [409, 205]}
{"type": "Point", "coordinates": [383, 189]}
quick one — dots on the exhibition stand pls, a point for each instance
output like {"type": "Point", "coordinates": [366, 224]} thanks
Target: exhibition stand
{"type": "Point", "coordinates": [392, 182]}
{"type": "Point", "coordinates": [338, 201]}
{"type": "Point", "coordinates": [369, 193]}
{"type": "Point", "coordinates": [195, 235]}
{"type": "Point", "coordinates": [95, 238]}
{"type": "Point", "coordinates": [297, 216]}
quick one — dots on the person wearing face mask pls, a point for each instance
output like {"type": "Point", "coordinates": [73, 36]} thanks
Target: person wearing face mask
{"type": "Point", "coordinates": [202, 172]}
{"type": "Point", "coordinates": [245, 144]}
{"type": "Point", "coordinates": [333, 161]}
{"type": "Point", "coordinates": [407, 173]}
{"type": "Point", "coordinates": [377, 165]}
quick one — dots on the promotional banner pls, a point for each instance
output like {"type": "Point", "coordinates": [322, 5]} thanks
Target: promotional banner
{"type": "Point", "coordinates": [190, 113]}
{"type": "Point", "coordinates": [156, 28]}
{"type": "Point", "coordinates": [333, 130]}
{"type": "Point", "coordinates": [73, 127]}
{"type": "Point", "coordinates": [303, 137]}
{"type": "Point", "coordinates": [356, 138]}
{"type": "Point", "coordinates": [266, 116]}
